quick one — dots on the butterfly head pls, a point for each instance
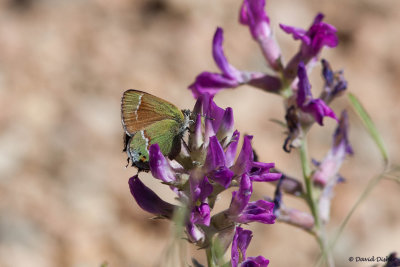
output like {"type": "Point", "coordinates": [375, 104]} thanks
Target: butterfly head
{"type": "Point", "coordinates": [188, 120]}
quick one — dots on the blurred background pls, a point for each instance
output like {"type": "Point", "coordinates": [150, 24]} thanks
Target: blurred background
{"type": "Point", "coordinates": [64, 196]}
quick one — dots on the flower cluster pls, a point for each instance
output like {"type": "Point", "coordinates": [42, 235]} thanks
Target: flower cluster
{"type": "Point", "coordinates": [202, 171]}
{"type": "Point", "coordinates": [289, 80]}
{"type": "Point", "coordinates": [207, 165]}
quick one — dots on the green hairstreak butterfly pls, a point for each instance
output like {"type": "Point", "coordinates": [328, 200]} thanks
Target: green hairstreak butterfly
{"type": "Point", "coordinates": [149, 120]}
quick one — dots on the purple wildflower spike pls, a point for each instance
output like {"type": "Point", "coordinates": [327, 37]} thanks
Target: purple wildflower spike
{"type": "Point", "coordinates": [319, 34]}
{"type": "Point", "coordinates": [341, 147]}
{"type": "Point", "coordinates": [148, 200]}
{"type": "Point", "coordinates": [252, 14]}
{"type": "Point", "coordinates": [201, 172]}
{"type": "Point", "coordinates": [305, 101]}
{"type": "Point", "coordinates": [241, 241]}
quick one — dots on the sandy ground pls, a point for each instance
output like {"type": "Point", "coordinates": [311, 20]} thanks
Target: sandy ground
{"type": "Point", "coordinates": [64, 197]}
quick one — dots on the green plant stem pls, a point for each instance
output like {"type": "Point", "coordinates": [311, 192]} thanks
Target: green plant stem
{"type": "Point", "coordinates": [312, 202]}
{"type": "Point", "coordinates": [307, 180]}
{"type": "Point", "coordinates": [210, 260]}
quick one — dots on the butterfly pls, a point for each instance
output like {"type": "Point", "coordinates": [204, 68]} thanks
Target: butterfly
{"type": "Point", "coordinates": [148, 120]}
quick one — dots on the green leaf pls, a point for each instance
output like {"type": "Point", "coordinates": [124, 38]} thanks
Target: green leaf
{"type": "Point", "coordinates": [369, 125]}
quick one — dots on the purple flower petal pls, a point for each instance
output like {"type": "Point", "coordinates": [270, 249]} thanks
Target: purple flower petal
{"type": "Point", "coordinates": [318, 109]}
{"type": "Point", "coordinates": [196, 138]}
{"type": "Point", "coordinates": [315, 107]}
{"type": "Point", "coordinates": [218, 53]}
{"type": "Point", "coordinates": [340, 137]}
{"type": "Point", "coordinates": [260, 172]}
{"type": "Point", "coordinates": [260, 211]}
{"type": "Point", "coordinates": [245, 159]}
{"type": "Point", "coordinates": [230, 152]}
{"type": "Point", "coordinates": [241, 197]}
{"type": "Point", "coordinates": [335, 83]}
{"type": "Point", "coordinates": [297, 33]}
{"type": "Point", "coordinates": [159, 165]}
{"type": "Point", "coordinates": [215, 114]}
{"type": "Point", "coordinates": [319, 34]}
{"type": "Point", "coordinates": [322, 34]}
{"type": "Point", "coordinates": [259, 261]}
{"type": "Point", "coordinates": [215, 155]}
{"type": "Point", "coordinates": [222, 175]}
{"type": "Point", "coordinates": [148, 200]}
{"type": "Point", "coordinates": [201, 214]}
{"type": "Point", "coordinates": [215, 164]}
{"type": "Point", "coordinates": [329, 167]}
{"type": "Point", "coordinates": [195, 234]}
{"type": "Point", "coordinates": [226, 127]}
{"type": "Point", "coordinates": [200, 187]}
{"type": "Point", "coordinates": [211, 83]}
{"type": "Point", "coordinates": [252, 13]}
{"type": "Point", "coordinates": [241, 241]}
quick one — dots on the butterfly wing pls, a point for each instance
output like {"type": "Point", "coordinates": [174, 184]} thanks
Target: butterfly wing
{"type": "Point", "coordinates": [140, 109]}
{"type": "Point", "coordinates": [165, 133]}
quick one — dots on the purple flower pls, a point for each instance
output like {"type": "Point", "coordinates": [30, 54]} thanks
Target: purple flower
{"type": "Point", "coordinates": [159, 165]}
{"type": "Point", "coordinates": [200, 187]}
{"type": "Point", "coordinates": [241, 241]}
{"type": "Point", "coordinates": [148, 200]}
{"type": "Point", "coordinates": [210, 83]}
{"type": "Point", "coordinates": [335, 84]}
{"type": "Point", "coordinates": [201, 214]}
{"type": "Point", "coordinates": [319, 34]}
{"type": "Point", "coordinates": [259, 261]}
{"type": "Point", "coordinates": [291, 216]}
{"type": "Point", "coordinates": [253, 15]}
{"type": "Point", "coordinates": [243, 211]}
{"type": "Point", "coordinates": [341, 147]}
{"type": "Point", "coordinates": [194, 233]}
{"type": "Point", "coordinates": [202, 170]}
{"type": "Point", "coordinates": [305, 101]}
{"type": "Point", "coordinates": [258, 171]}
{"type": "Point", "coordinates": [245, 158]}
